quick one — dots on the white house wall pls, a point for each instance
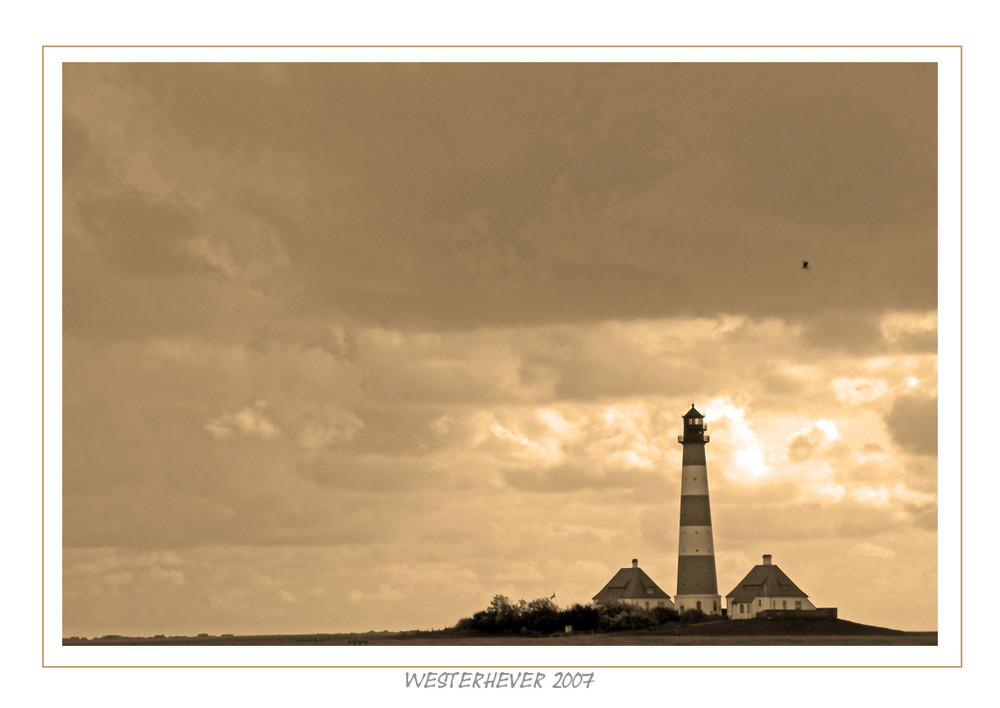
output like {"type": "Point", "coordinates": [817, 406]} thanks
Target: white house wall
{"type": "Point", "coordinates": [747, 611]}
{"type": "Point", "coordinates": [650, 604]}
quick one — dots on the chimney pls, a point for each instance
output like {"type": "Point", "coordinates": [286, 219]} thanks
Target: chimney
{"type": "Point", "coordinates": [635, 562]}
{"type": "Point", "coordinates": [767, 559]}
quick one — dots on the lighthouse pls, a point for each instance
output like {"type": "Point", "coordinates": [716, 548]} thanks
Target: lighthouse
{"type": "Point", "coordinates": [697, 588]}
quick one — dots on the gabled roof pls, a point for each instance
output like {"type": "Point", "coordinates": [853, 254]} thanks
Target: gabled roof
{"type": "Point", "coordinates": [693, 413]}
{"type": "Point", "coordinates": [630, 583]}
{"type": "Point", "coordinates": [764, 581]}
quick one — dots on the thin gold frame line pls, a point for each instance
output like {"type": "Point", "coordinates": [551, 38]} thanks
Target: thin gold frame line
{"type": "Point", "coordinates": [504, 46]}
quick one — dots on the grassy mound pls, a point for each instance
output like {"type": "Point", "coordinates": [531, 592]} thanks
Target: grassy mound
{"type": "Point", "coordinates": [783, 626]}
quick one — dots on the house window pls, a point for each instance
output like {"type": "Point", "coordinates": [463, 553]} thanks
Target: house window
{"type": "Point", "coordinates": [798, 604]}
{"type": "Point", "coordinates": [699, 605]}
{"type": "Point", "coordinates": [784, 604]}
{"type": "Point", "coordinates": [649, 591]}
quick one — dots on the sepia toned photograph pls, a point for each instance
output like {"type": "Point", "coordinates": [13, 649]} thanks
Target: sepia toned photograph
{"type": "Point", "coordinates": [491, 353]}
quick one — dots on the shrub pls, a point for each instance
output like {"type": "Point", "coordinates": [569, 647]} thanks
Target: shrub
{"type": "Point", "coordinates": [584, 618]}
{"type": "Point", "coordinates": [665, 615]}
{"type": "Point", "coordinates": [464, 624]}
{"type": "Point", "coordinates": [621, 616]}
{"type": "Point", "coordinates": [693, 616]}
{"type": "Point", "coordinates": [542, 616]}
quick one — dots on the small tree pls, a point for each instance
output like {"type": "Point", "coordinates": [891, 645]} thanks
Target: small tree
{"type": "Point", "coordinates": [500, 616]}
{"type": "Point", "coordinates": [541, 615]}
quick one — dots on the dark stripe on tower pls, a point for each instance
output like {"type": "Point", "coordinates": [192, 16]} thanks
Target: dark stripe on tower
{"type": "Point", "coordinates": [693, 455]}
{"type": "Point", "coordinates": [696, 575]}
{"type": "Point", "coordinates": [695, 511]}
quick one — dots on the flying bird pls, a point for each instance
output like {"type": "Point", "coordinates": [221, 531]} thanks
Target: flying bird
{"type": "Point", "coordinates": [805, 264]}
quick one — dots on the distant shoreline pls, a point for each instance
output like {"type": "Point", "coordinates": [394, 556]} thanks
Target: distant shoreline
{"type": "Point", "coordinates": [724, 633]}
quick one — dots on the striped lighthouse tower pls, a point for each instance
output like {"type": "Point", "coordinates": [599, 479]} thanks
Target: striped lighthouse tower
{"type": "Point", "coordinates": [697, 588]}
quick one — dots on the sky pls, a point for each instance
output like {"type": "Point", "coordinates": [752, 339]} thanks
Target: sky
{"type": "Point", "coordinates": [355, 347]}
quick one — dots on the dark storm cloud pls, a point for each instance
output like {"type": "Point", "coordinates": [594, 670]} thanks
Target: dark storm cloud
{"type": "Point", "coordinates": [835, 147]}
{"type": "Point", "coordinates": [84, 170]}
{"type": "Point", "coordinates": [924, 516]}
{"type": "Point", "coordinates": [856, 331]}
{"type": "Point", "coordinates": [134, 234]}
{"type": "Point", "coordinates": [735, 173]}
{"type": "Point", "coordinates": [912, 423]}
{"type": "Point", "coordinates": [129, 267]}
{"type": "Point", "coordinates": [140, 234]}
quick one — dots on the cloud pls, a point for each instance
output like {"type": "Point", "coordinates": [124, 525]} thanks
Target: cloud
{"type": "Point", "coordinates": [331, 425]}
{"type": "Point", "coordinates": [251, 421]}
{"type": "Point", "coordinates": [574, 478]}
{"type": "Point", "coordinates": [141, 234]}
{"type": "Point", "coordinates": [171, 576]}
{"type": "Point", "coordinates": [747, 460]}
{"type": "Point", "coordinates": [912, 423]}
{"type": "Point", "coordinates": [813, 441]}
{"type": "Point", "coordinates": [924, 515]}
{"type": "Point", "coordinates": [842, 519]}
{"type": "Point", "coordinates": [578, 219]}
{"type": "Point", "coordinates": [911, 331]}
{"type": "Point", "coordinates": [870, 550]}
{"type": "Point", "coordinates": [384, 593]}
{"type": "Point", "coordinates": [847, 329]}
{"type": "Point", "coordinates": [855, 391]}
{"type": "Point", "coordinates": [120, 577]}
{"type": "Point", "coordinates": [545, 450]}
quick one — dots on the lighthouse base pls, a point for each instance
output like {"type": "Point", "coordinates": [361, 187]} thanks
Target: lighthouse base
{"type": "Point", "coordinates": [709, 604]}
